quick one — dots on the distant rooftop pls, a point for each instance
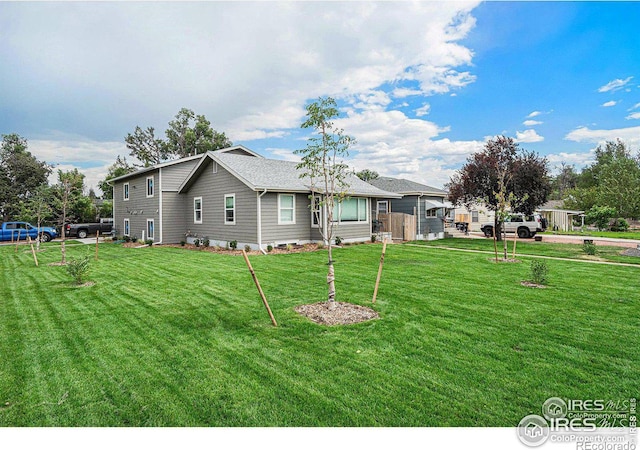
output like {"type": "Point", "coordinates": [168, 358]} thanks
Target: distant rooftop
{"type": "Point", "coordinates": [405, 187]}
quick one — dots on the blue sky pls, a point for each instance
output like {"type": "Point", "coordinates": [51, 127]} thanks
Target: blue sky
{"type": "Point", "coordinates": [421, 85]}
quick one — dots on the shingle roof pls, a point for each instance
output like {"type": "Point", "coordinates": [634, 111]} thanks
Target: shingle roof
{"type": "Point", "coordinates": [406, 187]}
{"type": "Point", "coordinates": [276, 175]}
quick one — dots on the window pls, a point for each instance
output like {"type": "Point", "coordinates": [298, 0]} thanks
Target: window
{"type": "Point", "coordinates": [150, 186]}
{"type": "Point", "coordinates": [286, 209]}
{"type": "Point", "coordinates": [215, 167]}
{"type": "Point", "coordinates": [351, 210]}
{"type": "Point", "coordinates": [433, 212]}
{"type": "Point", "coordinates": [230, 209]}
{"type": "Point", "coordinates": [127, 232]}
{"type": "Point", "coordinates": [150, 227]}
{"type": "Point", "coordinates": [383, 207]}
{"type": "Point", "coordinates": [316, 212]}
{"type": "Point", "coordinates": [197, 210]}
{"type": "Point", "coordinates": [474, 217]}
{"type": "Point", "coordinates": [125, 192]}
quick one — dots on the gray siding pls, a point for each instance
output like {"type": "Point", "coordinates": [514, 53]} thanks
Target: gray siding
{"type": "Point", "coordinates": [138, 208]}
{"type": "Point", "coordinates": [212, 187]}
{"type": "Point", "coordinates": [174, 175]}
{"type": "Point", "coordinates": [272, 232]}
{"type": "Point", "coordinates": [409, 204]}
{"type": "Point", "coordinates": [350, 232]}
{"type": "Point", "coordinates": [174, 217]}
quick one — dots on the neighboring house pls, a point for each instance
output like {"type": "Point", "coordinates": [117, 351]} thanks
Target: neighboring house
{"type": "Point", "coordinates": [558, 218]}
{"type": "Point", "coordinates": [475, 215]}
{"type": "Point", "coordinates": [232, 194]}
{"type": "Point", "coordinates": [424, 202]}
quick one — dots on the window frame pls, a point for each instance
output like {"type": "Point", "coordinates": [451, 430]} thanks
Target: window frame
{"type": "Point", "coordinates": [126, 192]}
{"type": "Point", "coordinates": [339, 220]}
{"type": "Point", "coordinates": [196, 210]}
{"type": "Point", "coordinates": [153, 186]}
{"type": "Point", "coordinates": [226, 221]}
{"type": "Point", "coordinates": [153, 227]}
{"type": "Point", "coordinates": [292, 209]}
{"type": "Point", "coordinates": [126, 227]}
{"type": "Point", "coordinates": [384, 202]}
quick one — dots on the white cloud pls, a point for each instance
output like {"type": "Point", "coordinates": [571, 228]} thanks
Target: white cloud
{"type": "Point", "coordinates": [610, 103]}
{"type": "Point", "coordinates": [405, 92]}
{"type": "Point", "coordinates": [615, 85]}
{"type": "Point", "coordinates": [578, 159]}
{"type": "Point", "coordinates": [531, 123]}
{"type": "Point", "coordinates": [423, 110]}
{"type": "Point", "coordinates": [534, 114]}
{"type": "Point", "coordinates": [528, 136]}
{"type": "Point", "coordinates": [629, 135]}
{"type": "Point", "coordinates": [636, 106]}
{"type": "Point", "coordinates": [635, 115]}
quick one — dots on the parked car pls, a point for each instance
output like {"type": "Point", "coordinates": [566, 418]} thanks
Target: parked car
{"type": "Point", "coordinates": [13, 231]}
{"type": "Point", "coordinates": [82, 230]}
{"type": "Point", "coordinates": [525, 225]}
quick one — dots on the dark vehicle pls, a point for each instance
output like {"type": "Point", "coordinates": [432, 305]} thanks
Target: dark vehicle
{"type": "Point", "coordinates": [15, 231]}
{"type": "Point", "coordinates": [82, 230]}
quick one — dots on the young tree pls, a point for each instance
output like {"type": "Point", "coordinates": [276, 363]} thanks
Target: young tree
{"type": "Point", "coordinates": [367, 175]}
{"type": "Point", "coordinates": [68, 189]}
{"type": "Point", "coordinates": [20, 174]}
{"type": "Point", "coordinates": [38, 208]}
{"type": "Point", "coordinates": [322, 162]}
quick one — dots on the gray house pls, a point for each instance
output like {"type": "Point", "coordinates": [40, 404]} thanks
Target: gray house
{"type": "Point", "coordinates": [232, 194]}
{"type": "Point", "coordinates": [424, 202]}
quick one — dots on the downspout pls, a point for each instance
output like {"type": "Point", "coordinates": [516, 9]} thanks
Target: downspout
{"type": "Point", "coordinates": [259, 205]}
{"type": "Point", "coordinates": [418, 213]}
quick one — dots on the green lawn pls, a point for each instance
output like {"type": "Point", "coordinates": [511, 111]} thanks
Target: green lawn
{"type": "Point", "coordinates": [529, 246]}
{"type": "Point", "coordinates": [171, 337]}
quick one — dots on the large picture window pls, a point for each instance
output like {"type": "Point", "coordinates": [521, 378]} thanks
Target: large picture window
{"type": "Point", "coordinates": [230, 209]}
{"type": "Point", "coordinates": [286, 209]}
{"type": "Point", "coordinates": [351, 210]}
{"type": "Point", "coordinates": [197, 210]}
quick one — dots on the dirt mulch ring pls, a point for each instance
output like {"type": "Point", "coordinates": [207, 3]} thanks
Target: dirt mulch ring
{"type": "Point", "coordinates": [533, 285]}
{"type": "Point", "coordinates": [58, 263]}
{"type": "Point", "coordinates": [86, 284]}
{"type": "Point", "coordinates": [342, 314]}
{"type": "Point", "coordinates": [502, 260]}
{"type": "Point", "coordinates": [631, 252]}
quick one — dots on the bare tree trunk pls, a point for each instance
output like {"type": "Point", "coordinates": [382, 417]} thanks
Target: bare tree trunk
{"type": "Point", "coordinates": [331, 298]}
{"type": "Point", "coordinates": [504, 242]}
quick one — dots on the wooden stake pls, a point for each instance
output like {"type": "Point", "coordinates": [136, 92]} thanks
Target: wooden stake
{"type": "Point", "coordinates": [255, 280]}
{"type": "Point", "coordinates": [17, 241]}
{"type": "Point", "coordinates": [33, 252]}
{"type": "Point", "coordinates": [97, 234]}
{"type": "Point", "coordinates": [495, 244]}
{"type": "Point", "coordinates": [375, 290]}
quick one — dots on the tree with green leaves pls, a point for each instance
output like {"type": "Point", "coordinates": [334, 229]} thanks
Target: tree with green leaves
{"type": "Point", "coordinates": [37, 208]}
{"type": "Point", "coordinates": [367, 175]}
{"type": "Point", "coordinates": [21, 174]}
{"type": "Point", "coordinates": [323, 164]}
{"type": "Point", "coordinates": [117, 169]}
{"type": "Point", "coordinates": [188, 134]}
{"type": "Point", "coordinates": [67, 191]}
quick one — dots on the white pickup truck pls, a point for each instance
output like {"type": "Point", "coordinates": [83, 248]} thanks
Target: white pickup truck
{"type": "Point", "coordinates": [525, 225]}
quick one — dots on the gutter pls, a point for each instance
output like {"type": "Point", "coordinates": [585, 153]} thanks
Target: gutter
{"type": "Point", "coordinates": [259, 220]}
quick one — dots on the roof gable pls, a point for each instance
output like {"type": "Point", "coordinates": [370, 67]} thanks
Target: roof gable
{"type": "Point", "coordinates": [405, 187]}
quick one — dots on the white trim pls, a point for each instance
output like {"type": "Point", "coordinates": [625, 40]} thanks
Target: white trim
{"type": "Point", "coordinates": [226, 196]}
{"type": "Point", "coordinates": [160, 204]}
{"type": "Point", "coordinates": [149, 235]}
{"type": "Point", "coordinates": [215, 166]}
{"type": "Point", "coordinates": [153, 186]}
{"type": "Point", "coordinates": [386, 202]}
{"type": "Point", "coordinates": [195, 199]}
{"type": "Point", "coordinates": [126, 227]}
{"type": "Point", "coordinates": [339, 220]}
{"type": "Point", "coordinates": [293, 210]}
{"type": "Point", "coordinates": [126, 192]}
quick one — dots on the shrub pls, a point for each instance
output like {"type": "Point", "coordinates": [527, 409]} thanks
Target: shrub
{"type": "Point", "coordinates": [233, 244]}
{"type": "Point", "coordinates": [196, 242]}
{"type": "Point", "coordinates": [289, 247]}
{"type": "Point", "coordinates": [269, 248]}
{"type": "Point", "coordinates": [182, 243]}
{"type": "Point", "coordinates": [127, 238]}
{"type": "Point", "coordinates": [600, 216]}
{"type": "Point", "coordinates": [205, 241]}
{"type": "Point", "coordinates": [78, 268]}
{"type": "Point", "coordinates": [320, 245]}
{"type": "Point", "coordinates": [373, 238]}
{"type": "Point", "coordinates": [149, 242]}
{"type": "Point", "coordinates": [589, 248]}
{"type": "Point", "coordinates": [619, 224]}
{"type": "Point", "coordinates": [539, 271]}
{"type": "Point", "coordinates": [338, 240]}
{"type": "Point", "coordinates": [247, 248]}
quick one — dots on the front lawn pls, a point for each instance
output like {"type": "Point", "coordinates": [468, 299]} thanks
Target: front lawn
{"type": "Point", "coordinates": [172, 337]}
